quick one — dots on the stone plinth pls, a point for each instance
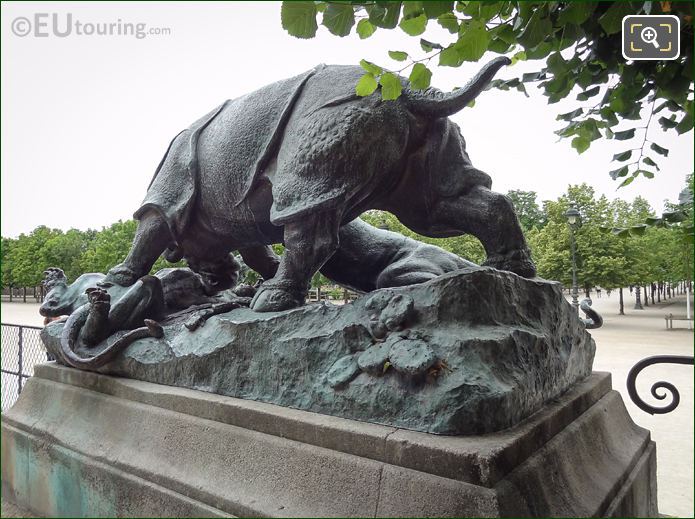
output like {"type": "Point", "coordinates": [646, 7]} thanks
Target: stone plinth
{"type": "Point", "coordinates": [473, 351]}
{"type": "Point", "coordinates": [86, 444]}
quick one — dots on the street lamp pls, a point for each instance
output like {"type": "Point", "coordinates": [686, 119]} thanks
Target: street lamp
{"type": "Point", "coordinates": [575, 220]}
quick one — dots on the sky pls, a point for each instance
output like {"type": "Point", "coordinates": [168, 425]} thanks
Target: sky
{"type": "Point", "coordinates": [87, 118]}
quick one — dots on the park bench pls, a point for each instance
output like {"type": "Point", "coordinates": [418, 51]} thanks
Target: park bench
{"type": "Point", "coordinates": [670, 318]}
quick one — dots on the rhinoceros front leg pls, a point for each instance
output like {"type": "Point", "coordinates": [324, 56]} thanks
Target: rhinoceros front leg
{"type": "Point", "coordinates": [490, 217]}
{"type": "Point", "coordinates": [151, 239]}
{"type": "Point", "coordinates": [308, 244]}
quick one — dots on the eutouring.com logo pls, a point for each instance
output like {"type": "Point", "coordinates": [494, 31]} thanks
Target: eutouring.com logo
{"type": "Point", "coordinates": [55, 25]}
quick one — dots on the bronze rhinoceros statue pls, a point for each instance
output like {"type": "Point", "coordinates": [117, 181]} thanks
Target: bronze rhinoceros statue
{"type": "Point", "coordinates": [296, 162]}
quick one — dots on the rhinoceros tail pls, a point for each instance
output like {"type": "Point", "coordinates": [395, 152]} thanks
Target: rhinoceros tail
{"type": "Point", "coordinates": [435, 104]}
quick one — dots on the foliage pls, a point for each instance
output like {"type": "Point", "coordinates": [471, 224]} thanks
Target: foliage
{"type": "Point", "coordinates": [600, 261]}
{"type": "Point", "coordinates": [528, 211]}
{"type": "Point", "coordinates": [580, 43]}
{"type": "Point", "coordinates": [466, 246]}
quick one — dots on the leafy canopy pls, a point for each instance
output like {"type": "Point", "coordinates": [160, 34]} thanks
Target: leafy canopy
{"type": "Point", "coordinates": [578, 48]}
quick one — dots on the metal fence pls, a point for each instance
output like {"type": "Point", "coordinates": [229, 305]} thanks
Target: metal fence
{"type": "Point", "coordinates": [21, 350]}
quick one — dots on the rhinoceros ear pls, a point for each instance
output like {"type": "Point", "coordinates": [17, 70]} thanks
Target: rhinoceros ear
{"type": "Point", "coordinates": [434, 103]}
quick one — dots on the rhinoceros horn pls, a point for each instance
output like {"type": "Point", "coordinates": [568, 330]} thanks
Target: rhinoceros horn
{"type": "Point", "coordinates": [435, 103]}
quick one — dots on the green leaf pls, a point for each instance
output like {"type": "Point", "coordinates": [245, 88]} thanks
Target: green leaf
{"type": "Point", "coordinates": [299, 18]}
{"type": "Point", "coordinates": [390, 86]}
{"type": "Point", "coordinates": [412, 8]}
{"type": "Point", "coordinates": [420, 77]}
{"type": "Point", "coordinates": [584, 96]}
{"type": "Point", "coordinates": [384, 14]}
{"type": "Point", "coordinates": [414, 26]}
{"type": "Point", "coordinates": [339, 18]}
{"type": "Point", "coordinates": [434, 9]}
{"type": "Point", "coordinates": [611, 21]}
{"type": "Point", "coordinates": [365, 29]}
{"type": "Point", "coordinates": [659, 149]}
{"type": "Point", "coordinates": [473, 41]}
{"type": "Point", "coordinates": [647, 174]}
{"type": "Point", "coordinates": [608, 116]}
{"type": "Point", "coordinates": [581, 144]}
{"type": "Point", "coordinates": [366, 85]}
{"type": "Point", "coordinates": [519, 56]}
{"type": "Point", "coordinates": [498, 46]}
{"type": "Point", "coordinates": [570, 115]}
{"type": "Point", "coordinates": [398, 55]}
{"type": "Point", "coordinates": [449, 22]}
{"type": "Point", "coordinates": [627, 181]}
{"type": "Point", "coordinates": [504, 33]}
{"type": "Point", "coordinates": [650, 162]}
{"type": "Point", "coordinates": [617, 173]}
{"type": "Point", "coordinates": [685, 124]}
{"type": "Point", "coordinates": [576, 12]}
{"type": "Point", "coordinates": [449, 57]}
{"type": "Point", "coordinates": [371, 67]}
{"type": "Point", "coordinates": [667, 124]}
{"type": "Point", "coordinates": [624, 135]}
{"type": "Point", "coordinates": [537, 29]}
{"type": "Point", "coordinates": [623, 156]}
{"type": "Point", "coordinates": [428, 46]}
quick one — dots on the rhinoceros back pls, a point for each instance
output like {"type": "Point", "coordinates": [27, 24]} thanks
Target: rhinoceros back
{"type": "Point", "coordinates": [226, 150]}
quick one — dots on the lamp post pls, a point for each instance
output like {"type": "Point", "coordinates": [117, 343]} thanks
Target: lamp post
{"type": "Point", "coordinates": [574, 220]}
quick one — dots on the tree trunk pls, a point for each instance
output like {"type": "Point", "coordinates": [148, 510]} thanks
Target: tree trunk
{"type": "Point", "coordinates": [646, 295]}
{"type": "Point", "coordinates": [587, 292]}
{"type": "Point", "coordinates": [622, 306]}
{"type": "Point", "coordinates": [24, 294]}
{"type": "Point", "coordinates": [638, 299]}
{"type": "Point", "coordinates": [658, 292]}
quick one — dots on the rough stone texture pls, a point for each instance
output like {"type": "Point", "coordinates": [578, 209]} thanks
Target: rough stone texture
{"type": "Point", "coordinates": [503, 346]}
{"type": "Point", "coordinates": [83, 444]}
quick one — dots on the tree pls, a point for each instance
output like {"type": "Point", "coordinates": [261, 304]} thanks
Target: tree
{"type": "Point", "coordinates": [579, 41]}
{"type": "Point", "coordinates": [109, 247]}
{"type": "Point", "coordinates": [465, 246]}
{"type": "Point", "coordinates": [527, 209]}
{"type": "Point", "coordinates": [65, 250]}
{"type": "Point", "coordinates": [7, 278]}
{"type": "Point", "coordinates": [26, 258]}
{"type": "Point", "coordinates": [600, 258]}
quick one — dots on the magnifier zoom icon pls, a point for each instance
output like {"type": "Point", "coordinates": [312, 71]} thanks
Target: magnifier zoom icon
{"type": "Point", "coordinates": [648, 36]}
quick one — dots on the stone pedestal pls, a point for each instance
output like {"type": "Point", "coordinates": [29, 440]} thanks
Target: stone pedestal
{"type": "Point", "coordinates": [86, 444]}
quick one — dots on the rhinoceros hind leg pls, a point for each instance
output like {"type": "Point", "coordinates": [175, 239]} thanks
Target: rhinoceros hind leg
{"type": "Point", "coordinates": [490, 217]}
{"type": "Point", "coordinates": [151, 239]}
{"type": "Point", "coordinates": [309, 242]}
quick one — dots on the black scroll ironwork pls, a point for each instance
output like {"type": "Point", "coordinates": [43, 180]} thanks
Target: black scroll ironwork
{"type": "Point", "coordinates": [667, 386]}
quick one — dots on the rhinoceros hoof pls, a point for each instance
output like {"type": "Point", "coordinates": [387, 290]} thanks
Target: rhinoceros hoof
{"type": "Point", "coordinates": [275, 300]}
{"type": "Point", "coordinates": [411, 356]}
